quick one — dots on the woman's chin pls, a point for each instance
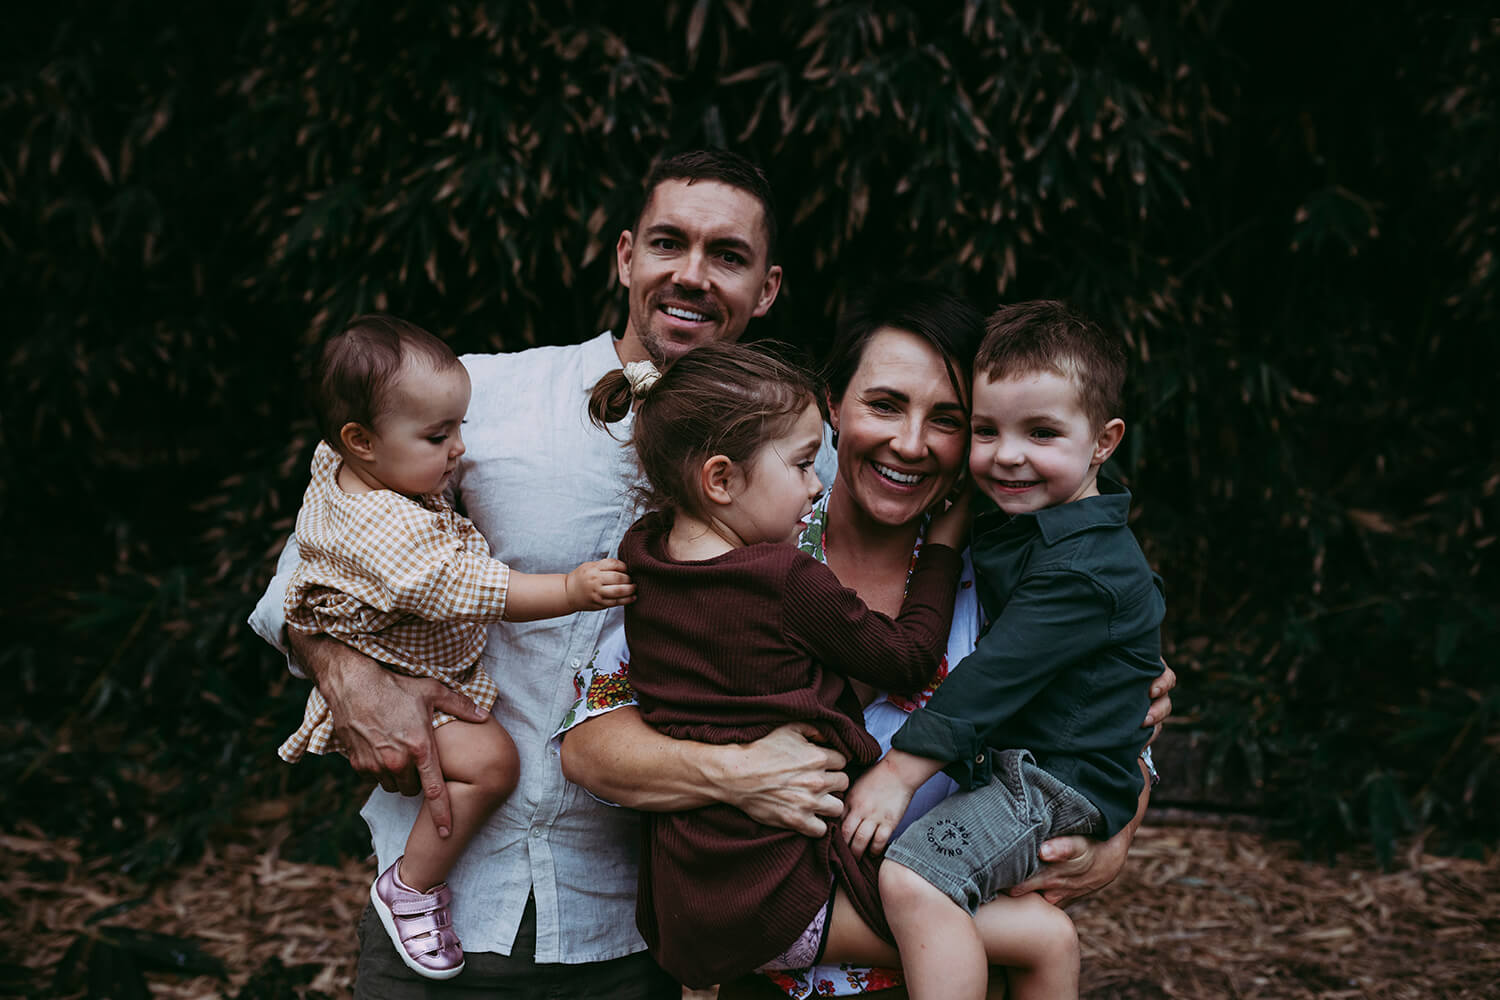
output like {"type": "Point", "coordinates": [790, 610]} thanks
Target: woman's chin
{"type": "Point", "coordinates": [891, 504]}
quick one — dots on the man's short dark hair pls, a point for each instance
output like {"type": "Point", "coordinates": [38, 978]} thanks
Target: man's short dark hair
{"type": "Point", "coordinates": [359, 366]}
{"type": "Point", "coordinates": [1050, 336]}
{"type": "Point", "coordinates": [717, 165]}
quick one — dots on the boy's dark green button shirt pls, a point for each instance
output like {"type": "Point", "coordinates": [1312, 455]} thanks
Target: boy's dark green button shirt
{"type": "Point", "coordinates": [1064, 666]}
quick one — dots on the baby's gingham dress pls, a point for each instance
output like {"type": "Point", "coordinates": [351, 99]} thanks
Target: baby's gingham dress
{"type": "Point", "coordinates": [410, 584]}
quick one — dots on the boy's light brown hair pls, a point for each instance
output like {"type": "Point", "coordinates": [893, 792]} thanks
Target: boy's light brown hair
{"type": "Point", "coordinates": [1050, 336]}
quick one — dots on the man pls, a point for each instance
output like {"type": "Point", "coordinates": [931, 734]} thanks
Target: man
{"type": "Point", "coordinates": [545, 895]}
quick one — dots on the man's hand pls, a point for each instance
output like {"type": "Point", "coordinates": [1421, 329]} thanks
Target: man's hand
{"type": "Point", "coordinates": [784, 780]}
{"type": "Point", "coordinates": [874, 806]}
{"type": "Point", "coordinates": [595, 586]}
{"type": "Point", "coordinates": [385, 720]}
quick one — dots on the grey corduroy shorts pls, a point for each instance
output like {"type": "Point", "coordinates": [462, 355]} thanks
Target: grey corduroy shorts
{"type": "Point", "coordinates": [976, 844]}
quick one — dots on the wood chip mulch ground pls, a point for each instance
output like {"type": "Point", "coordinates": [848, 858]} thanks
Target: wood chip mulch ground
{"type": "Point", "coordinates": [1199, 913]}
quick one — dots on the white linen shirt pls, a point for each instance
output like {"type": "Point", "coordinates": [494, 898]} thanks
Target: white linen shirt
{"type": "Point", "coordinates": [549, 490]}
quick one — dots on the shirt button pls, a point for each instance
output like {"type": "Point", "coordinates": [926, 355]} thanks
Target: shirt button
{"type": "Point", "coordinates": [536, 832]}
{"type": "Point", "coordinates": [577, 663]}
{"type": "Point", "coordinates": [979, 759]}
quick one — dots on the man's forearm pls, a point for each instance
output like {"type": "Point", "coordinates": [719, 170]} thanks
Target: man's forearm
{"type": "Point", "coordinates": [322, 658]}
{"type": "Point", "coordinates": [782, 779]}
{"type": "Point", "coordinates": [620, 758]}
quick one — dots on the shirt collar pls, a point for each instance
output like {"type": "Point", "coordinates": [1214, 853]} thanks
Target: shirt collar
{"type": "Point", "coordinates": [1111, 508]}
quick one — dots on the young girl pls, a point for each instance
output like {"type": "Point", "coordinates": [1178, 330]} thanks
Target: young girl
{"type": "Point", "coordinates": [391, 569]}
{"type": "Point", "coordinates": [737, 632]}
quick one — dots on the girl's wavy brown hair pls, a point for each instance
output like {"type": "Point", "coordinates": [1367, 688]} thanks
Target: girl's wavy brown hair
{"type": "Point", "coordinates": [718, 399]}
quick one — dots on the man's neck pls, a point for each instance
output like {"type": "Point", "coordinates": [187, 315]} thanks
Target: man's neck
{"type": "Point", "coordinates": [628, 347]}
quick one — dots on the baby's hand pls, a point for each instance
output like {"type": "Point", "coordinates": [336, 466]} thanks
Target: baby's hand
{"type": "Point", "coordinates": [597, 585]}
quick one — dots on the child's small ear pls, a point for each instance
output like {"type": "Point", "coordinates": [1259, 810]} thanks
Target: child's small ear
{"type": "Point", "coordinates": [1107, 441]}
{"type": "Point", "coordinates": [717, 476]}
{"type": "Point", "coordinates": [355, 438]}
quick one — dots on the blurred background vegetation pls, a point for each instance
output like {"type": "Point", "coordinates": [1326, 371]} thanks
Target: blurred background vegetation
{"type": "Point", "coordinates": [1291, 208]}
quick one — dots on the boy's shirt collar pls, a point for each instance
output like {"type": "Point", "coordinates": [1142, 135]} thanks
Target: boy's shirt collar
{"type": "Point", "coordinates": [1111, 508]}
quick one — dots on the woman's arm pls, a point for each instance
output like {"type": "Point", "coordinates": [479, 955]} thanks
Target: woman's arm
{"type": "Point", "coordinates": [782, 779]}
{"type": "Point", "coordinates": [1076, 866]}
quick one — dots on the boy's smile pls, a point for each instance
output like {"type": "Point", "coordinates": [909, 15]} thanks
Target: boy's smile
{"type": "Point", "coordinates": [1032, 445]}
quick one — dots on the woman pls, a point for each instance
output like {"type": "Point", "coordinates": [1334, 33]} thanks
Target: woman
{"type": "Point", "coordinates": [898, 384]}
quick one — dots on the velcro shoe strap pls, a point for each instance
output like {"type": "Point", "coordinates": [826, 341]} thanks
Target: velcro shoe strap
{"type": "Point", "coordinates": [432, 943]}
{"type": "Point", "coordinates": [433, 923]}
{"type": "Point", "coordinates": [413, 903]}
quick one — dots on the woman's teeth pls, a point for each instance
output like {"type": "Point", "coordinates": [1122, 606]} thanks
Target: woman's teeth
{"type": "Point", "coordinates": [904, 478]}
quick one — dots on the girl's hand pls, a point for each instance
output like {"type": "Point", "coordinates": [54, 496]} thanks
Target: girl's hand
{"type": "Point", "coordinates": [951, 527]}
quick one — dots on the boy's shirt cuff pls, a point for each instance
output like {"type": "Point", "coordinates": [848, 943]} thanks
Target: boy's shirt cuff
{"type": "Point", "coordinates": [939, 737]}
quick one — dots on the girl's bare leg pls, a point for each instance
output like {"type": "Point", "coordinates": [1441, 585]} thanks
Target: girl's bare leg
{"type": "Point", "coordinates": [480, 767]}
{"type": "Point", "coordinates": [851, 940]}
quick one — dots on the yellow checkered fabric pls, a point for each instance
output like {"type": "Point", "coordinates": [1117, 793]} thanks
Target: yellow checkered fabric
{"type": "Point", "coordinates": [409, 584]}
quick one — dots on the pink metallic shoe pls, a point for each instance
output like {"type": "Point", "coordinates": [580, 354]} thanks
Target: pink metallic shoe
{"type": "Point", "coordinates": [419, 925]}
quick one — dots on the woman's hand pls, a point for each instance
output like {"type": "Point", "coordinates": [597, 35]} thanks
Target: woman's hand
{"type": "Point", "coordinates": [1076, 866]}
{"type": "Point", "coordinates": [1161, 701]}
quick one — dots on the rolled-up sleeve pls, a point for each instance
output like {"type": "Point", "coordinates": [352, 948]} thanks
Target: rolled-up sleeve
{"type": "Point", "coordinates": [268, 620]}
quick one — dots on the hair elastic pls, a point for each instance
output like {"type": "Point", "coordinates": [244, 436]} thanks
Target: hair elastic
{"type": "Point", "coordinates": [641, 375]}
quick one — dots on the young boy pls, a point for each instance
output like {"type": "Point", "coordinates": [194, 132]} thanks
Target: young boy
{"type": "Point", "coordinates": [390, 568]}
{"type": "Point", "coordinates": [1060, 676]}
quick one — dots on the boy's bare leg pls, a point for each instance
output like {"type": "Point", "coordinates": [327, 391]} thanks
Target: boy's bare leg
{"type": "Point", "coordinates": [480, 768]}
{"type": "Point", "coordinates": [947, 953]}
{"type": "Point", "coordinates": [942, 953]}
{"type": "Point", "coordinates": [851, 940]}
{"type": "Point", "coordinates": [1035, 941]}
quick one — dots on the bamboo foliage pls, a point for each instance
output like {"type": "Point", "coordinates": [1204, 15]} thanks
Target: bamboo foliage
{"type": "Point", "coordinates": [1294, 228]}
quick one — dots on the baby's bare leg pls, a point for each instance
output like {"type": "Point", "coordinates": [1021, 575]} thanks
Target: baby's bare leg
{"type": "Point", "coordinates": [480, 767]}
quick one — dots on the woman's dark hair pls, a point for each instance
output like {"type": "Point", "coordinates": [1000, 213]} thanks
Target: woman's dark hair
{"type": "Point", "coordinates": [718, 399]}
{"type": "Point", "coordinates": [359, 365]}
{"type": "Point", "coordinates": [926, 309]}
